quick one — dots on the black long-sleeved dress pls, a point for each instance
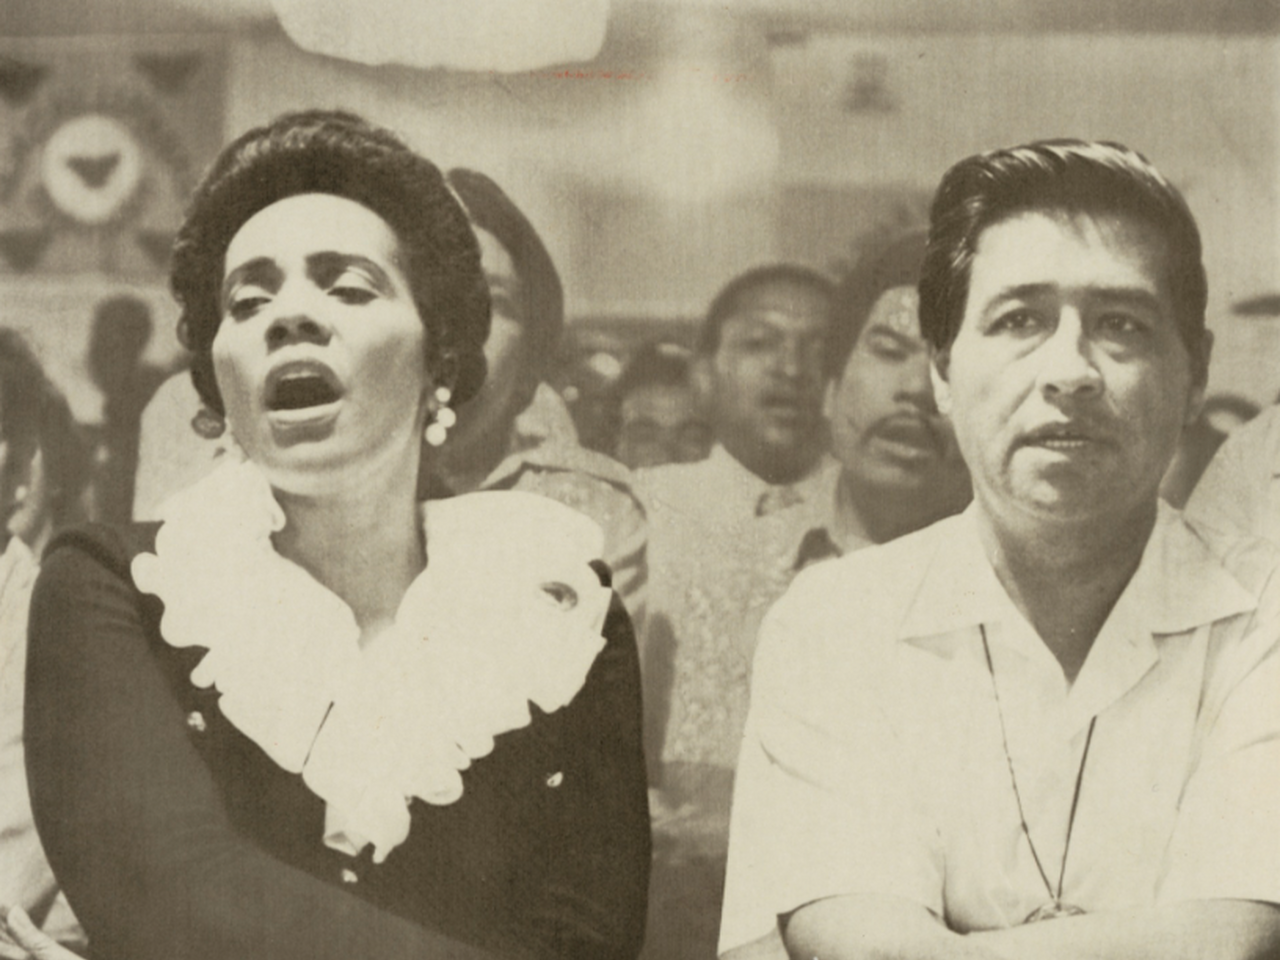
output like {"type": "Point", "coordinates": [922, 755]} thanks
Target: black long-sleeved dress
{"type": "Point", "coordinates": [175, 836]}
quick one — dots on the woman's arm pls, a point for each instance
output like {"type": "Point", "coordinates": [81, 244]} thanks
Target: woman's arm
{"type": "Point", "coordinates": [130, 816]}
{"type": "Point", "coordinates": [596, 893]}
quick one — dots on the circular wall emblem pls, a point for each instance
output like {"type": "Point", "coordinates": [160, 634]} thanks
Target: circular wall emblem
{"type": "Point", "coordinates": [91, 166]}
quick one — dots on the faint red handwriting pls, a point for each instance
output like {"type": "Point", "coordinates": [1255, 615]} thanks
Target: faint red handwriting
{"type": "Point", "coordinates": [634, 75]}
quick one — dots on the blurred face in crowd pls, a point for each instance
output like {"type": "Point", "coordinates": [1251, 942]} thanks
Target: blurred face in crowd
{"type": "Point", "coordinates": [661, 424]}
{"type": "Point", "coordinates": [886, 430]}
{"type": "Point", "coordinates": [320, 352]}
{"type": "Point", "coordinates": [486, 419]}
{"type": "Point", "coordinates": [1068, 383]}
{"type": "Point", "coordinates": [11, 478]}
{"type": "Point", "coordinates": [763, 385]}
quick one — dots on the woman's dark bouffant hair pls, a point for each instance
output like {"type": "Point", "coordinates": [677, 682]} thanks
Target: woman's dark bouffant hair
{"type": "Point", "coordinates": [333, 152]}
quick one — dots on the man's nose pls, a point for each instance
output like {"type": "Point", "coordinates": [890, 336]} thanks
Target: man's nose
{"type": "Point", "coordinates": [914, 384]}
{"type": "Point", "coordinates": [1066, 361]}
{"type": "Point", "coordinates": [786, 358]}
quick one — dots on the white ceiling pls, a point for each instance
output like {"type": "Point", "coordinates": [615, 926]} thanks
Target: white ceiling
{"type": "Point", "coordinates": [782, 17]}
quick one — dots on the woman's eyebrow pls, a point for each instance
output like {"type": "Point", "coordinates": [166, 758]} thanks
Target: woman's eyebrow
{"type": "Point", "coordinates": [260, 270]}
{"type": "Point", "coordinates": [326, 266]}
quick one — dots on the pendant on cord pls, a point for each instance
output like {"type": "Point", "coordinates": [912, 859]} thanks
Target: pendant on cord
{"type": "Point", "coordinates": [1052, 911]}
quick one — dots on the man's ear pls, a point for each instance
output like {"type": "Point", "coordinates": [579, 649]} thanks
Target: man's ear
{"type": "Point", "coordinates": [1199, 380]}
{"type": "Point", "coordinates": [829, 398]}
{"type": "Point", "coordinates": [939, 367]}
{"type": "Point", "coordinates": [702, 379]}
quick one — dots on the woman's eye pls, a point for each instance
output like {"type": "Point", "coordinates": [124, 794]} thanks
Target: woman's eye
{"type": "Point", "coordinates": [243, 307]}
{"type": "Point", "coordinates": [349, 293]}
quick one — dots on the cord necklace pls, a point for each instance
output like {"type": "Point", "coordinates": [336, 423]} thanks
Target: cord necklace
{"type": "Point", "coordinates": [1055, 907]}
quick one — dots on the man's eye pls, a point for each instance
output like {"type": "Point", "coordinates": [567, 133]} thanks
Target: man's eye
{"type": "Point", "coordinates": [244, 307]}
{"type": "Point", "coordinates": [1015, 321]}
{"type": "Point", "coordinates": [1120, 324]}
{"type": "Point", "coordinates": [887, 350]}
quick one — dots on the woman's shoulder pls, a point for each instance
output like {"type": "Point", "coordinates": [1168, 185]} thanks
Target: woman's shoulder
{"type": "Point", "coordinates": [112, 547]}
{"type": "Point", "coordinates": [512, 523]}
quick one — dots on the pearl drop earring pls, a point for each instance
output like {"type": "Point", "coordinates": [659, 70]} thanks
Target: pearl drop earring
{"type": "Point", "coordinates": [438, 430]}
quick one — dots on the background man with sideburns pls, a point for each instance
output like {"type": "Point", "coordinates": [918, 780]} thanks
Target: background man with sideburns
{"type": "Point", "coordinates": [1059, 705]}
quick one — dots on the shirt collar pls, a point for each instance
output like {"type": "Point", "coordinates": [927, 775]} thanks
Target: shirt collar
{"type": "Point", "coordinates": [545, 421]}
{"type": "Point", "coordinates": [1271, 423]}
{"type": "Point", "coordinates": [1179, 584]}
{"type": "Point", "coordinates": [738, 490]}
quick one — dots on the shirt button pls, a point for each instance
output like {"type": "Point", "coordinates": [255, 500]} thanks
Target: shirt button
{"type": "Point", "coordinates": [349, 875]}
{"type": "Point", "coordinates": [555, 779]}
{"type": "Point", "coordinates": [195, 720]}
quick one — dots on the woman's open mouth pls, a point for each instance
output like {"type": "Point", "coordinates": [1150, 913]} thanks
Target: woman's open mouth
{"type": "Point", "coordinates": [300, 384]}
{"type": "Point", "coordinates": [302, 388]}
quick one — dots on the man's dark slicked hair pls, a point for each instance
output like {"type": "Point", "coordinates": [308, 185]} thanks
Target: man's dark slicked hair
{"type": "Point", "coordinates": [1068, 176]}
{"type": "Point", "coordinates": [896, 264]}
{"type": "Point", "coordinates": [338, 153]}
{"type": "Point", "coordinates": [728, 300]}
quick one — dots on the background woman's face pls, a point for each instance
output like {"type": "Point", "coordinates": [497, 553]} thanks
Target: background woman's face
{"type": "Point", "coordinates": [320, 354]}
{"type": "Point", "coordinates": [508, 384]}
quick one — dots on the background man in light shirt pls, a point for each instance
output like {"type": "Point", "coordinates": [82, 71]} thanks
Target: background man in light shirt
{"type": "Point", "coordinates": [722, 544]}
{"type": "Point", "coordinates": [1046, 727]}
{"type": "Point", "coordinates": [1240, 489]}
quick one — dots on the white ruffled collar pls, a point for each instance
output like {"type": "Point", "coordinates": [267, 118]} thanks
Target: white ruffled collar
{"type": "Point", "coordinates": [508, 612]}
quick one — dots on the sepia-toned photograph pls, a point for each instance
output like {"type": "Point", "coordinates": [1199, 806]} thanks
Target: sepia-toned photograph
{"type": "Point", "coordinates": [639, 480]}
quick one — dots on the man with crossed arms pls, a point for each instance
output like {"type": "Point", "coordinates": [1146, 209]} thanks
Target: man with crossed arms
{"type": "Point", "coordinates": [1047, 727]}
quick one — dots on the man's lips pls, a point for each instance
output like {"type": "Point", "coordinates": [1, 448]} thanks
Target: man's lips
{"type": "Point", "coordinates": [786, 405]}
{"type": "Point", "coordinates": [910, 431]}
{"type": "Point", "coordinates": [1063, 437]}
{"type": "Point", "coordinates": [301, 385]}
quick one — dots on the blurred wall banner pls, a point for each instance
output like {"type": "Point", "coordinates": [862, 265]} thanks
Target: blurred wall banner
{"type": "Point", "coordinates": [102, 140]}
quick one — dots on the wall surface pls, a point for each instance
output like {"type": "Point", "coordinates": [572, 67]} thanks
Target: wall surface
{"type": "Point", "coordinates": [697, 145]}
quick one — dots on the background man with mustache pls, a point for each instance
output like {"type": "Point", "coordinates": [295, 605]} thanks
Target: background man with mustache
{"type": "Point", "coordinates": [1060, 705]}
{"type": "Point", "coordinates": [900, 469]}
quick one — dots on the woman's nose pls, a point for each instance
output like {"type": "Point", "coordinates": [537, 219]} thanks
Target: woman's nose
{"type": "Point", "coordinates": [296, 322]}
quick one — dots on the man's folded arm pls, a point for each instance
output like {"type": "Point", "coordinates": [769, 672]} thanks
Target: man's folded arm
{"type": "Point", "coordinates": [879, 927]}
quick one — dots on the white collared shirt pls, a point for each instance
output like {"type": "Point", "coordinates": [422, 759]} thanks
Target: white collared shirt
{"type": "Point", "coordinates": [715, 566]}
{"type": "Point", "coordinates": [1240, 489]}
{"type": "Point", "coordinates": [874, 762]}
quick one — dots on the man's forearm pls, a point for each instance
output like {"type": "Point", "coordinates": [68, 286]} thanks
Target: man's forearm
{"type": "Point", "coordinates": [873, 927]}
{"type": "Point", "coordinates": [1220, 929]}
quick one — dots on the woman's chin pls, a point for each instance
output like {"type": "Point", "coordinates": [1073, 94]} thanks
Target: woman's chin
{"type": "Point", "coordinates": [330, 467]}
